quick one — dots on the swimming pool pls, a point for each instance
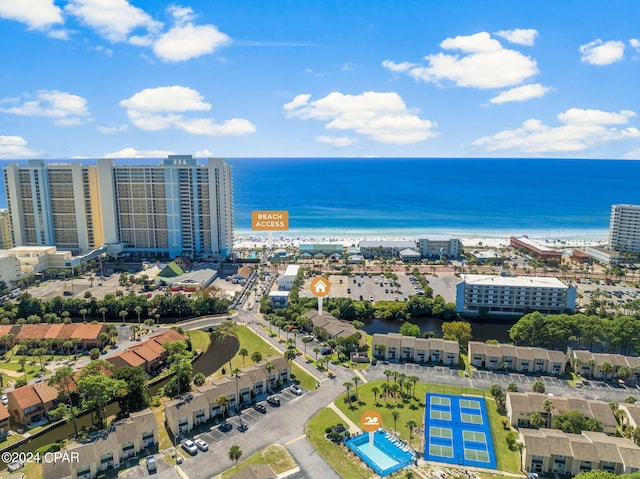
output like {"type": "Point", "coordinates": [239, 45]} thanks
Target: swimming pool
{"type": "Point", "coordinates": [385, 456]}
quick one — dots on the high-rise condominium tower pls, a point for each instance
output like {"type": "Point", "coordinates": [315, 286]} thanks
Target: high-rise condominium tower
{"type": "Point", "coordinates": [179, 207]}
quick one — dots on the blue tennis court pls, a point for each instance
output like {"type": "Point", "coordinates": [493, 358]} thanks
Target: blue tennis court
{"type": "Point", "coordinates": [457, 431]}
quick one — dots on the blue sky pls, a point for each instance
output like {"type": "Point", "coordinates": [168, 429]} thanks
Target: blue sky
{"type": "Point", "coordinates": [248, 78]}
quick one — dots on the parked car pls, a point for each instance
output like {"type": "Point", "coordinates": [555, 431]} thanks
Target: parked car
{"type": "Point", "coordinates": [326, 351]}
{"type": "Point", "coordinates": [151, 464]}
{"type": "Point", "coordinates": [200, 444]}
{"type": "Point", "coordinates": [274, 400]}
{"type": "Point", "coordinates": [261, 408]}
{"type": "Point", "coordinates": [295, 389]}
{"type": "Point", "coordinates": [225, 427]}
{"type": "Point", "coordinates": [189, 446]}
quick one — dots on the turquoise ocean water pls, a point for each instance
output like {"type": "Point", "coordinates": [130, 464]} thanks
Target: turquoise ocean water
{"type": "Point", "coordinates": [409, 197]}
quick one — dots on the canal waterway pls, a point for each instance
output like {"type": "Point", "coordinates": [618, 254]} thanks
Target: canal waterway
{"type": "Point", "coordinates": [481, 330]}
{"type": "Point", "coordinates": [207, 363]}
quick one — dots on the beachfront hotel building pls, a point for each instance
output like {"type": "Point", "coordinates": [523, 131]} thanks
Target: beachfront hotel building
{"type": "Point", "coordinates": [179, 207]}
{"type": "Point", "coordinates": [437, 248]}
{"type": "Point", "coordinates": [624, 228]}
{"type": "Point", "coordinates": [540, 250]}
{"type": "Point", "coordinates": [513, 295]}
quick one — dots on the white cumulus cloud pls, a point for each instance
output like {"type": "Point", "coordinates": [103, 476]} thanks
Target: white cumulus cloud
{"type": "Point", "coordinates": [601, 53]}
{"type": "Point", "coordinates": [580, 130]}
{"type": "Point", "coordinates": [338, 141]}
{"type": "Point", "coordinates": [184, 42]}
{"type": "Point", "coordinates": [162, 108]}
{"type": "Point", "coordinates": [65, 109]}
{"type": "Point", "coordinates": [480, 62]}
{"type": "Point", "coordinates": [204, 154]}
{"type": "Point", "coordinates": [521, 93]}
{"type": "Point", "coordinates": [111, 130]}
{"type": "Point", "coordinates": [520, 36]}
{"type": "Point", "coordinates": [635, 43]}
{"type": "Point", "coordinates": [381, 116]}
{"type": "Point", "coordinates": [16, 147]}
{"type": "Point", "coordinates": [113, 19]}
{"type": "Point", "coordinates": [133, 153]}
{"type": "Point", "coordinates": [36, 14]}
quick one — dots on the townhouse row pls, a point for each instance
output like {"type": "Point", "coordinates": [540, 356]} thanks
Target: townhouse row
{"type": "Point", "coordinates": [85, 336]}
{"type": "Point", "coordinates": [517, 358]}
{"type": "Point", "coordinates": [606, 366]}
{"type": "Point", "coordinates": [201, 405]}
{"type": "Point", "coordinates": [395, 347]}
{"type": "Point", "coordinates": [108, 449]}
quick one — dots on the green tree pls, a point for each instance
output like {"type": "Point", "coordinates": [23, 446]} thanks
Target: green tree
{"type": "Point", "coordinates": [63, 381]}
{"type": "Point", "coordinates": [410, 329]}
{"type": "Point", "coordinates": [395, 414]}
{"type": "Point", "coordinates": [244, 353]}
{"type": "Point", "coordinates": [199, 379]}
{"type": "Point", "coordinates": [223, 401]}
{"type": "Point", "coordinates": [411, 425]}
{"type": "Point", "coordinates": [459, 331]}
{"type": "Point", "coordinates": [575, 422]}
{"type": "Point", "coordinates": [256, 356]}
{"type": "Point", "coordinates": [538, 387]}
{"type": "Point", "coordinates": [98, 390]}
{"type": "Point", "coordinates": [137, 397]}
{"type": "Point", "coordinates": [235, 453]}
{"type": "Point", "coordinates": [537, 420]}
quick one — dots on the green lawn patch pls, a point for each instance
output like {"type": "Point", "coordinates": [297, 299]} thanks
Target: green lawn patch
{"type": "Point", "coordinates": [200, 340]}
{"type": "Point", "coordinates": [303, 378]}
{"type": "Point", "coordinates": [338, 457]}
{"type": "Point", "coordinates": [275, 455]}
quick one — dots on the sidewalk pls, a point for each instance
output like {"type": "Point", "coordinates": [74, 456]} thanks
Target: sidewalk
{"type": "Point", "coordinates": [353, 429]}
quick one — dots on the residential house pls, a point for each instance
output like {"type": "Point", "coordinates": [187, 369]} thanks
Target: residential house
{"type": "Point", "coordinates": [200, 405]}
{"type": "Point", "coordinates": [31, 403]}
{"type": "Point", "coordinates": [520, 407]}
{"type": "Point", "coordinates": [150, 354]}
{"type": "Point", "coordinates": [517, 358]}
{"type": "Point", "coordinates": [335, 328]}
{"type": "Point", "coordinates": [107, 449]}
{"type": "Point", "coordinates": [553, 451]}
{"type": "Point", "coordinates": [395, 347]}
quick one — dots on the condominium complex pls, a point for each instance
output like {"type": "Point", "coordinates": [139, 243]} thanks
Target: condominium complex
{"type": "Point", "coordinates": [6, 240]}
{"type": "Point", "coordinates": [439, 248]}
{"type": "Point", "coordinates": [176, 208]}
{"type": "Point", "coordinates": [624, 228]}
{"type": "Point", "coordinates": [491, 294]}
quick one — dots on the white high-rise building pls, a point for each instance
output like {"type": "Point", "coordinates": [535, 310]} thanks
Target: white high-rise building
{"type": "Point", "coordinates": [179, 207]}
{"type": "Point", "coordinates": [624, 228]}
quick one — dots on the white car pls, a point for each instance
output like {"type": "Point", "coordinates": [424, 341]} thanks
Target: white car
{"type": "Point", "coordinates": [189, 446]}
{"type": "Point", "coordinates": [203, 446]}
{"type": "Point", "coordinates": [295, 389]}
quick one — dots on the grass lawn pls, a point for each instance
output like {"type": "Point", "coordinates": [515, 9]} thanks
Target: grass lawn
{"type": "Point", "coordinates": [200, 340]}
{"type": "Point", "coordinates": [163, 435]}
{"type": "Point", "coordinates": [275, 455]}
{"type": "Point", "coordinates": [338, 457]}
{"type": "Point", "coordinates": [252, 343]}
{"type": "Point", "coordinates": [305, 380]}
{"type": "Point", "coordinates": [413, 409]}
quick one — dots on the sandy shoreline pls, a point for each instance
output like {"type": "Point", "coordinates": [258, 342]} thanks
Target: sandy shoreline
{"type": "Point", "coordinates": [493, 239]}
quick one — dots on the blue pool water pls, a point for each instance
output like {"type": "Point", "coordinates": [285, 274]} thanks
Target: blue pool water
{"type": "Point", "coordinates": [384, 456]}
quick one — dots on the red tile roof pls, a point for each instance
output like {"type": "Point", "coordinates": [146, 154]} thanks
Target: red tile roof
{"type": "Point", "coordinates": [87, 331]}
{"type": "Point", "coordinates": [4, 414]}
{"type": "Point", "coordinates": [33, 394]}
{"type": "Point", "coordinates": [54, 331]}
{"type": "Point", "coordinates": [126, 358]}
{"type": "Point", "coordinates": [32, 331]}
{"type": "Point", "coordinates": [168, 335]}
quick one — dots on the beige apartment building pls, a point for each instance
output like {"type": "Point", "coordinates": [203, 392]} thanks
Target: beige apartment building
{"type": "Point", "coordinates": [395, 347]}
{"type": "Point", "coordinates": [200, 405]}
{"type": "Point", "coordinates": [180, 207]}
{"type": "Point", "coordinates": [517, 358]}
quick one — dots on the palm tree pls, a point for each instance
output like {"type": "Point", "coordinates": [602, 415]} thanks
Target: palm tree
{"type": "Point", "coordinates": [316, 351]}
{"type": "Point", "coordinates": [223, 401]}
{"type": "Point", "coordinates": [123, 314]}
{"type": "Point", "coordinates": [269, 366]}
{"type": "Point", "coordinates": [235, 453]}
{"type": "Point", "coordinates": [348, 386]}
{"type": "Point", "coordinates": [103, 312]}
{"type": "Point", "coordinates": [411, 424]}
{"type": "Point", "coordinates": [395, 415]}
{"type": "Point", "coordinates": [256, 357]}
{"type": "Point", "coordinates": [547, 406]}
{"type": "Point", "coordinates": [84, 312]}
{"type": "Point", "coordinates": [414, 380]}
{"type": "Point", "coordinates": [236, 374]}
{"type": "Point", "coordinates": [355, 380]}
{"type": "Point", "coordinates": [388, 373]}
{"type": "Point", "coordinates": [138, 310]}
{"type": "Point", "coordinates": [375, 392]}
{"type": "Point", "coordinates": [244, 353]}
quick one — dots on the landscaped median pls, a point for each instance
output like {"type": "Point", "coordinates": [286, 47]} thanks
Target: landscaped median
{"type": "Point", "coordinates": [402, 413]}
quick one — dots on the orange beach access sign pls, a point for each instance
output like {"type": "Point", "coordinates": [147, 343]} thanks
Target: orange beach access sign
{"type": "Point", "coordinates": [371, 421]}
{"type": "Point", "coordinates": [269, 220]}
